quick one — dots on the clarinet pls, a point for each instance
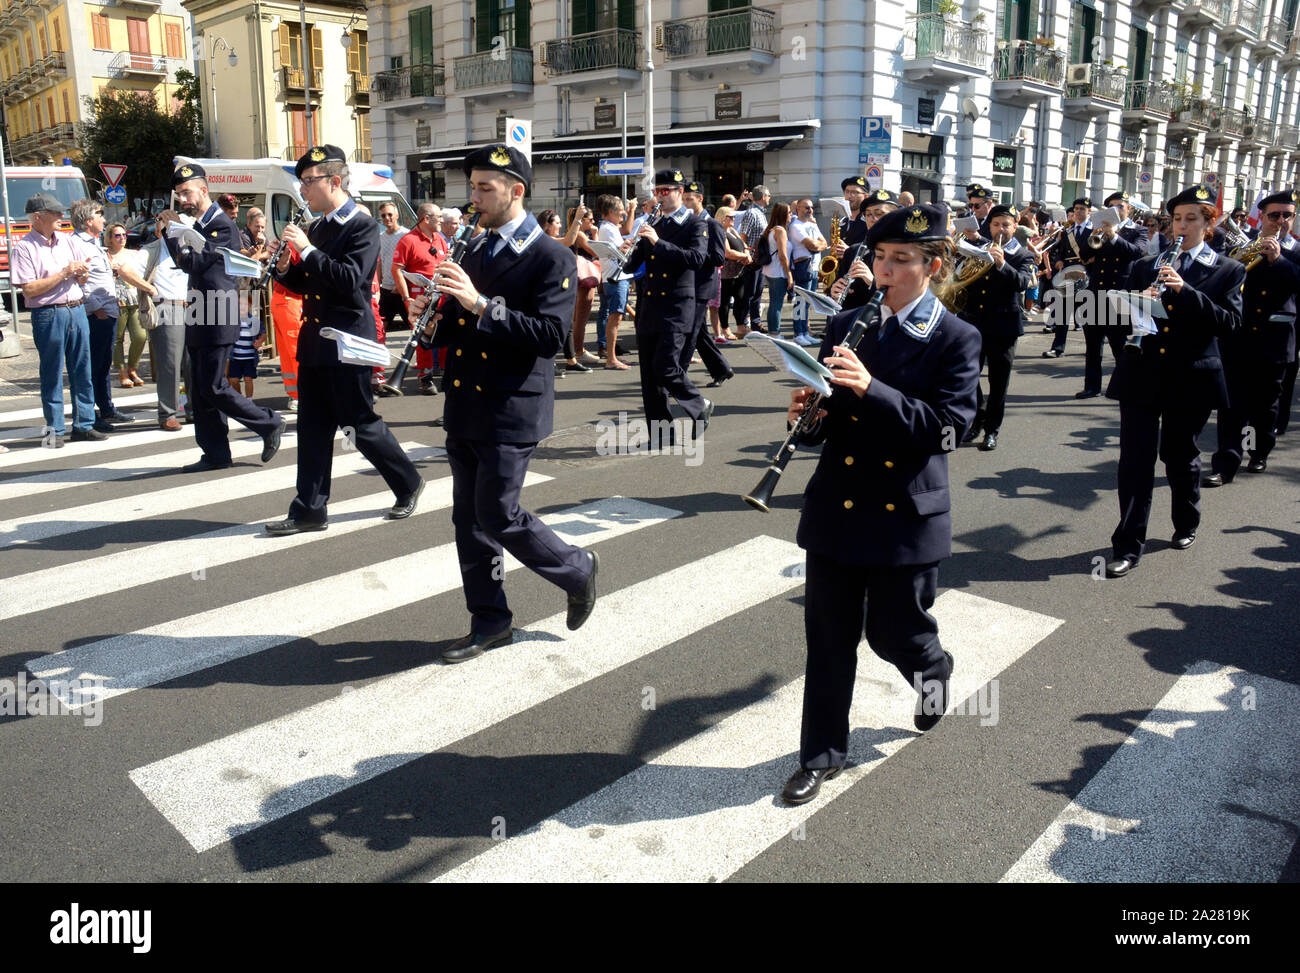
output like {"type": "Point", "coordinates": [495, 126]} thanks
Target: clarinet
{"type": "Point", "coordinates": [1134, 343]}
{"type": "Point", "coordinates": [418, 336]}
{"type": "Point", "coordinates": [303, 213]}
{"type": "Point", "coordinates": [761, 497]}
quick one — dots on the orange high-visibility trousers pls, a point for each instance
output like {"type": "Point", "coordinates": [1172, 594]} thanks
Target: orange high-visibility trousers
{"type": "Point", "coordinates": [286, 314]}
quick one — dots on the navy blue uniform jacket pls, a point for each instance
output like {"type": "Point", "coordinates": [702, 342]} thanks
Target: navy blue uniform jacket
{"type": "Point", "coordinates": [879, 496]}
{"type": "Point", "coordinates": [669, 283]}
{"type": "Point", "coordinates": [212, 317]}
{"type": "Point", "coordinates": [1268, 312]}
{"type": "Point", "coordinates": [499, 380]}
{"type": "Point", "coordinates": [715, 255]}
{"type": "Point", "coordinates": [1108, 266]}
{"type": "Point", "coordinates": [334, 281]}
{"type": "Point", "coordinates": [993, 303]}
{"type": "Point", "coordinates": [1180, 365]}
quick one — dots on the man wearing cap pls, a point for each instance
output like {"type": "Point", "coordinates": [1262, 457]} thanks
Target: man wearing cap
{"type": "Point", "coordinates": [337, 258]}
{"type": "Point", "coordinates": [1108, 269]}
{"type": "Point", "coordinates": [856, 283]}
{"type": "Point", "coordinates": [507, 309]}
{"type": "Point", "coordinates": [212, 326]}
{"type": "Point", "coordinates": [1127, 229]}
{"type": "Point", "coordinates": [853, 228]}
{"type": "Point", "coordinates": [981, 202]}
{"type": "Point", "coordinates": [672, 251]}
{"type": "Point", "coordinates": [1256, 356]}
{"type": "Point", "coordinates": [1067, 251]}
{"type": "Point", "coordinates": [876, 516]}
{"type": "Point", "coordinates": [993, 306]}
{"type": "Point", "coordinates": [49, 271]}
{"type": "Point", "coordinates": [707, 284]}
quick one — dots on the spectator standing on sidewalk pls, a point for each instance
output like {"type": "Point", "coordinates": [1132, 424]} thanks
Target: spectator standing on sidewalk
{"type": "Point", "coordinates": [101, 308]}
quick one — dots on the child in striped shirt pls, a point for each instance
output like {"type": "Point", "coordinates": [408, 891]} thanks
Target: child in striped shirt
{"type": "Point", "coordinates": [244, 356]}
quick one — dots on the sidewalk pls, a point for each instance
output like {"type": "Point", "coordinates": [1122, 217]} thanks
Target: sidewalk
{"type": "Point", "coordinates": [20, 378]}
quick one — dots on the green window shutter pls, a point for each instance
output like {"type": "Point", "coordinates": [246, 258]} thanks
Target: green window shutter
{"type": "Point", "coordinates": [584, 15]}
{"type": "Point", "coordinates": [523, 20]}
{"type": "Point", "coordinates": [627, 14]}
{"type": "Point", "coordinates": [482, 25]}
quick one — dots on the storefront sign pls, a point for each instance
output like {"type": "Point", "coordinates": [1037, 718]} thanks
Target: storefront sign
{"type": "Point", "coordinates": [1004, 160]}
{"type": "Point", "coordinates": [607, 116]}
{"type": "Point", "coordinates": [925, 111]}
{"type": "Point", "coordinates": [726, 105]}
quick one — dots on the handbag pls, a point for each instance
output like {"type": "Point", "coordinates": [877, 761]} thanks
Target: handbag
{"type": "Point", "coordinates": [588, 271]}
{"type": "Point", "coordinates": [148, 311]}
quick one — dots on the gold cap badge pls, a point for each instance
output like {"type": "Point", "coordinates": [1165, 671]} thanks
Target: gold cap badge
{"type": "Point", "coordinates": [500, 156]}
{"type": "Point", "coordinates": [186, 171]}
{"type": "Point", "coordinates": [1202, 192]}
{"type": "Point", "coordinates": [317, 155]}
{"type": "Point", "coordinates": [677, 176]}
{"type": "Point", "coordinates": [916, 223]}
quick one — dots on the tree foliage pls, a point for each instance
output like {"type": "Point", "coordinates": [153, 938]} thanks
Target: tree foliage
{"type": "Point", "coordinates": [129, 128]}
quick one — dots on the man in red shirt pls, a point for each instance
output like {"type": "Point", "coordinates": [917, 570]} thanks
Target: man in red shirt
{"type": "Point", "coordinates": [420, 252]}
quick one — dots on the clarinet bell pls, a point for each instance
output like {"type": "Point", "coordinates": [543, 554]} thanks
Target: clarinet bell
{"type": "Point", "coordinates": [761, 497]}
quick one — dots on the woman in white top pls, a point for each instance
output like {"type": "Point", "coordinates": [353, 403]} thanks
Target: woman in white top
{"type": "Point", "coordinates": [777, 273]}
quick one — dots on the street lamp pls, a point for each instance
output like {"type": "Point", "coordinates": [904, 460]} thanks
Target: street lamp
{"type": "Point", "coordinates": [233, 60]}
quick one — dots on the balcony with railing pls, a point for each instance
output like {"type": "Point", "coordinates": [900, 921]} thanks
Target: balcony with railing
{"type": "Point", "coordinates": [357, 89]}
{"type": "Point", "coordinates": [1025, 72]}
{"type": "Point", "coordinates": [412, 89]}
{"type": "Point", "coordinates": [1288, 138]}
{"type": "Point", "coordinates": [602, 57]}
{"type": "Point", "coordinates": [132, 64]}
{"type": "Point", "coordinates": [1277, 34]}
{"type": "Point", "coordinates": [1291, 56]}
{"type": "Point", "coordinates": [942, 50]}
{"type": "Point", "coordinates": [1147, 101]}
{"type": "Point", "coordinates": [1275, 145]}
{"type": "Point", "coordinates": [1259, 133]}
{"type": "Point", "coordinates": [740, 37]}
{"type": "Point", "coordinates": [1244, 23]}
{"type": "Point", "coordinates": [1093, 89]}
{"type": "Point", "coordinates": [360, 155]}
{"type": "Point", "coordinates": [1207, 12]}
{"type": "Point", "coordinates": [63, 135]}
{"type": "Point", "coordinates": [1190, 112]}
{"type": "Point", "coordinates": [485, 74]}
{"type": "Point", "coordinates": [1226, 124]}
{"type": "Point", "coordinates": [293, 82]}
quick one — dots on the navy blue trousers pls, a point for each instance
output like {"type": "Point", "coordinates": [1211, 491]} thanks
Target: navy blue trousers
{"type": "Point", "coordinates": [212, 400]}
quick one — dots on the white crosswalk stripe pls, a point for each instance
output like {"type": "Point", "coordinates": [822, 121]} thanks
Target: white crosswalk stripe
{"type": "Point", "coordinates": [74, 454]}
{"type": "Point", "coordinates": [214, 792]}
{"type": "Point", "coordinates": [125, 403]}
{"type": "Point", "coordinates": [43, 526]}
{"type": "Point", "coordinates": [70, 583]}
{"type": "Point", "coordinates": [1204, 790]}
{"type": "Point", "coordinates": [705, 808]}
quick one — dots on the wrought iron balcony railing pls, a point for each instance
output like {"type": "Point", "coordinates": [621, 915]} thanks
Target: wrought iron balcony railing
{"type": "Point", "coordinates": [720, 32]}
{"type": "Point", "coordinates": [1027, 61]}
{"type": "Point", "coordinates": [1155, 97]}
{"type": "Point", "coordinates": [1227, 121]}
{"type": "Point", "coordinates": [1107, 83]}
{"type": "Point", "coordinates": [414, 81]}
{"type": "Point", "coordinates": [485, 70]}
{"type": "Point", "coordinates": [130, 62]}
{"type": "Point", "coordinates": [931, 36]}
{"type": "Point", "coordinates": [1247, 15]}
{"type": "Point", "coordinates": [1190, 110]}
{"type": "Point", "coordinates": [596, 51]}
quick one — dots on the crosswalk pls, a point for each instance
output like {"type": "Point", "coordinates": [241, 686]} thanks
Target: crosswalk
{"type": "Point", "coordinates": [698, 809]}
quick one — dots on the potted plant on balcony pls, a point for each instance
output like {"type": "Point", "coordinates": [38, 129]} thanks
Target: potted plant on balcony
{"type": "Point", "coordinates": [950, 10]}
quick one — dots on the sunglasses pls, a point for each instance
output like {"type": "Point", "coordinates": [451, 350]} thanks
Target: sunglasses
{"type": "Point", "coordinates": [1279, 216]}
{"type": "Point", "coordinates": [117, 236]}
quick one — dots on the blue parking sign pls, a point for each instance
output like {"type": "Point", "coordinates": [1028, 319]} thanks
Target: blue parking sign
{"type": "Point", "coordinates": [873, 139]}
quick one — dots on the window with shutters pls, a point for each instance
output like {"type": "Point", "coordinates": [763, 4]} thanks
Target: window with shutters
{"type": "Point", "coordinates": [507, 19]}
{"type": "Point", "coordinates": [419, 24]}
{"type": "Point", "coordinates": [363, 136]}
{"type": "Point", "coordinates": [1182, 56]}
{"type": "Point", "coordinates": [99, 28]}
{"type": "Point", "coordinates": [302, 136]}
{"type": "Point", "coordinates": [67, 107]}
{"type": "Point", "coordinates": [58, 34]}
{"type": "Point", "coordinates": [31, 54]}
{"type": "Point", "coordinates": [175, 40]}
{"type": "Point", "coordinates": [1140, 66]}
{"type": "Point", "coordinates": [39, 124]}
{"type": "Point", "coordinates": [1083, 32]}
{"type": "Point", "coordinates": [49, 108]}
{"type": "Point", "coordinates": [137, 35]}
{"type": "Point", "coordinates": [1017, 20]}
{"type": "Point", "coordinates": [45, 45]}
{"type": "Point", "coordinates": [593, 15]}
{"type": "Point", "coordinates": [359, 53]}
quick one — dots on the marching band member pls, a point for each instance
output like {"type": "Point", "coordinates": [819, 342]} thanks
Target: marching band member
{"type": "Point", "coordinates": [706, 285]}
{"type": "Point", "coordinates": [981, 202]}
{"type": "Point", "coordinates": [1127, 229]}
{"type": "Point", "coordinates": [1167, 389]}
{"type": "Point", "coordinates": [993, 306]}
{"type": "Point", "coordinates": [1108, 269]}
{"type": "Point", "coordinates": [1255, 357]}
{"type": "Point", "coordinates": [858, 275]}
{"type": "Point", "coordinates": [509, 307]}
{"type": "Point", "coordinates": [876, 517]}
{"type": "Point", "coordinates": [1067, 251]}
{"type": "Point", "coordinates": [853, 228]}
{"type": "Point", "coordinates": [337, 259]}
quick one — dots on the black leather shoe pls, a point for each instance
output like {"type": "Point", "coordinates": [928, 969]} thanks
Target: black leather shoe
{"type": "Point", "coordinates": [462, 650]}
{"type": "Point", "coordinates": [804, 785]}
{"type": "Point", "coordinates": [1052, 353]}
{"type": "Point", "coordinates": [990, 442]}
{"type": "Point", "coordinates": [582, 602]}
{"type": "Point", "coordinates": [925, 721]}
{"type": "Point", "coordinates": [1182, 542]}
{"type": "Point", "coordinates": [405, 506]}
{"type": "Point", "coordinates": [1257, 466]}
{"type": "Point", "coordinates": [576, 366]}
{"type": "Point", "coordinates": [973, 434]}
{"type": "Point", "coordinates": [702, 423]}
{"type": "Point", "coordinates": [204, 464]}
{"type": "Point", "coordinates": [717, 382]}
{"type": "Point", "coordinates": [290, 526]}
{"type": "Point", "coordinates": [271, 444]}
{"type": "Point", "coordinates": [102, 425]}
{"type": "Point", "coordinates": [93, 434]}
{"type": "Point", "coordinates": [1087, 394]}
{"type": "Point", "coordinates": [1121, 567]}
{"type": "Point", "coordinates": [119, 417]}
{"type": "Point", "coordinates": [1213, 480]}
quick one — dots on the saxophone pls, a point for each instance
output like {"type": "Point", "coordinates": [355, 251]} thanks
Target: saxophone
{"type": "Point", "coordinates": [828, 269]}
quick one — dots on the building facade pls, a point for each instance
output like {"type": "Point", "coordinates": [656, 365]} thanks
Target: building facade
{"type": "Point", "coordinates": [280, 96]}
{"type": "Point", "coordinates": [1046, 99]}
{"type": "Point", "coordinates": [53, 55]}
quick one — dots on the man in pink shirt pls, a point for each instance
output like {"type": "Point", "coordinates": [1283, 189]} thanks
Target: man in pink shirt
{"type": "Point", "coordinates": [44, 265]}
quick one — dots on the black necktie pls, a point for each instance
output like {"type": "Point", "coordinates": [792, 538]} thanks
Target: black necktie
{"type": "Point", "coordinates": [1184, 261]}
{"type": "Point", "coordinates": [891, 325]}
{"type": "Point", "coordinates": [490, 245]}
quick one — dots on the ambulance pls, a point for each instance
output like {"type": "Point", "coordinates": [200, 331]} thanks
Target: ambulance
{"type": "Point", "coordinates": [270, 185]}
{"type": "Point", "coordinates": [64, 183]}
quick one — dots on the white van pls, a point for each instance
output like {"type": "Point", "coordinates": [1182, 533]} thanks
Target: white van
{"type": "Point", "coordinates": [270, 185]}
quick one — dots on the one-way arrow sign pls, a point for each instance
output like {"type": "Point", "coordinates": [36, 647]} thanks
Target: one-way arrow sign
{"type": "Point", "coordinates": [113, 174]}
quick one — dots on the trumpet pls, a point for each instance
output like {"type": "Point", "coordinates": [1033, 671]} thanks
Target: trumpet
{"type": "Point", "coordinates": [1236, 236]}
{"type": "Point", "coordinates": [1241, 247]}
{"type": "Point", "coordinates": [1097, 238]}
{"type": "Point", "coordinates": [1039, 244]}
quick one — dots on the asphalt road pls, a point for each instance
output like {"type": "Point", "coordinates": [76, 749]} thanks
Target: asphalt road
{"type": "Point", "coordinates": [1139, 729]}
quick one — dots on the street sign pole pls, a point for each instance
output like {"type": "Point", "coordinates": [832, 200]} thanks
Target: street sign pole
{"type": "Point", "coordinates": [625, 141]}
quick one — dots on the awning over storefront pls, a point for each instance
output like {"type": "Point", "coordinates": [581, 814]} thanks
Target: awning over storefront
{"type": "Point", "coordinates": [740, 137]}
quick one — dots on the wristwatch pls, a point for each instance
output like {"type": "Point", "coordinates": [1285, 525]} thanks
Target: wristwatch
{"type": "Point", "coordinates": [480, 305]}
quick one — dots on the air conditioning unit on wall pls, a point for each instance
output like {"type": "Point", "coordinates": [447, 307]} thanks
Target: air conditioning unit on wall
{"type": "Point", "coordinates": [1079, 74]}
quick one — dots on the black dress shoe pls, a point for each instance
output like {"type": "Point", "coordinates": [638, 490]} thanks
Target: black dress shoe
{"type": "Point", "coordinates": [204, 464]}
{"type": "Point", "coordinates": [405, 506]}
{"type": "Point", "coordinates": [119, 417]}
{"type": "Point", "coordinates": [93, 434]}
{"type": "Point", "coordinates": [1121, 567]}
{"type": "Point", "coordinates": [718, 381]}
{"type": "Point", "coordinates": [582, 602]}
{"type": "Point", "coordinates": [1182, 542]}
{"type": "Point", "coordinates": [290, 526]}
{"type": "Point", "coordinates": [576, 366]}
{"type": "Point", "coordinates": [804, 785]}
{"type": "Point", "coordinates": [990, 442]}
{"type": "Point", "coordinates": [102, 425]}
{"type": "Point", "coordinates": [1257, 466]}
{"type": "Point", "coordinates": [1087, 394]}
{"type": "Point", "coordinates": [1052, 353]}
{"type": "Point", "coordinates": [1214, 480]}
{"type": "Point", "coordinates": [271, 444]}
{"type": "Point", "coordinates": [925, 721]}
{"type": "Point", "coordinates": [462, 650]}
{"type": "Point", "coordinates": [702, 423]}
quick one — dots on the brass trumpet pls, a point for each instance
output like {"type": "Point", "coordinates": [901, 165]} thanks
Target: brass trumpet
{"type": "Point", "coordinates": [1241, 247]}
